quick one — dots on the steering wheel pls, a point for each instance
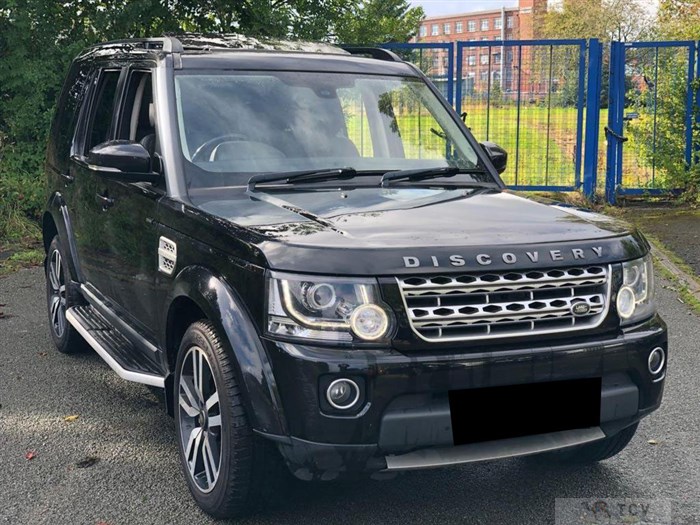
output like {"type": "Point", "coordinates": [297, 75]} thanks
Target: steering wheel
{"type": "Point", "coordinates": [205, 149]}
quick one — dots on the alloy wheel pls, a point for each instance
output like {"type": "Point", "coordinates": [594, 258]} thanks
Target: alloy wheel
{"type": "Point", "coordinates": [57, 294]}
{"type": "Point", "coordinates": [200, 419]}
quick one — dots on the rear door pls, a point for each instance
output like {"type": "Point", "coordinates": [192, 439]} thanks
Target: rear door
{"type": "Point", "coordinates": [88, 210]}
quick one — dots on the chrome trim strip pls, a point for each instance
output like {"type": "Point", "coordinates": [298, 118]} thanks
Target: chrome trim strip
{"type": "Point", "coordinates": [504, 448]}
{"type": "Point", "coordinates": [146, 379]}
{"type": "Point", "coordinates": [599, 318]}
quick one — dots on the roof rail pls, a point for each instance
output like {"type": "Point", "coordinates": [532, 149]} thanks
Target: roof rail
{"type": "Point", "coordinates": [375, 52]}
{"type": "Point", "coordinates": [169, 44]}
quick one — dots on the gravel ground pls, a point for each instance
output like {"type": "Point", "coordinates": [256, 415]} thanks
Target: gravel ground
{"type": "Point", "coordinates": [137, 477]}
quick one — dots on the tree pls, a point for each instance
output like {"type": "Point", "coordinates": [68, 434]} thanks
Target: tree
{"type": "Point", "coordinates": [376, 21]}
{"type": "Point", "coordinates": [679, 19]}
{"type": "Point", "coordinates": [622, 20]}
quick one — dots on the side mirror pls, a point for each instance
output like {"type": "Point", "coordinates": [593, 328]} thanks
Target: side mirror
{"type": "Point", "coordinates": [498, 156]}
{"type": "Point", "coordinates": [122, 160]}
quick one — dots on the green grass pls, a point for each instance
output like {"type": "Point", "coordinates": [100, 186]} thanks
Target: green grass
{"type": "Point", "coordinates": [546, 145]}
{"type": "Point", "coordinates": [20, 243]}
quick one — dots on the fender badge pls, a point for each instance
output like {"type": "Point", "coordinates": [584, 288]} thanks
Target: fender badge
{"type": "Point", "coordinates": [580, 308]}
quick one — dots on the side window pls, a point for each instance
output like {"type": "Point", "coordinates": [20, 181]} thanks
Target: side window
{"type": "Point", "coordinates": [137, 115]}
{"type": "Point", "coordinates": [356, 123]}
{"type": "Point", "coordinates": [66, 118]}
{"type": "Point", "coordinates": [102, 109]}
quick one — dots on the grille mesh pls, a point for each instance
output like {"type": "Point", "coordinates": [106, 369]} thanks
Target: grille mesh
{"type": "Point", "coordinates": [505, 304]}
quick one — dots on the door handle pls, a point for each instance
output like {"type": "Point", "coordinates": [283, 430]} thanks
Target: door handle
{"type": "Point", "coordinates": [66, 176]}
{"type": "Point", "coordinates": [105, 201]}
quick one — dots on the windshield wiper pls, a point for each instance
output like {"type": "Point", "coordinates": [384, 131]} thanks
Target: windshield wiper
{"type": "Point", "coordinates": [427, 173]}
{"type": "Point", "coordinates": [301, 176]}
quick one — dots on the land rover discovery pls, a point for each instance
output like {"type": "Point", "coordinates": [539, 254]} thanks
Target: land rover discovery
{"type": "Point", "coordinates": [306, 249]}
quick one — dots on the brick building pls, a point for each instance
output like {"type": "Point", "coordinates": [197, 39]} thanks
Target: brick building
{"type": "Point", "coordinates": [494, 65]}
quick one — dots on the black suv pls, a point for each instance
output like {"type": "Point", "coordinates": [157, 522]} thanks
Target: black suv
{"type": "Point", "coordinates": [306, 248]}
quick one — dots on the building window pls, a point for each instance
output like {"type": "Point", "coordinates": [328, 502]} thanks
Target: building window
{"type": "Point", "coordinates": [435, 30]}
{"type": "Point", "coordinates": [484, 75]}
{"type": "Point", "coordinates": [459, 27]}
{"type": "Point", "coordinates": [509, 56]}
{"type": "Point", "coordinates": [471, 26]}
{"type": "Point", "coordinates": [471, 60]}
{"type": "Point", "coordinates": [423, 31]}
{"type": "Point", "coordinates": [447, 28]}
{"type": "Point", "coordinates": [484, 60]}
{"type": "Point", "coordinates": [498, 23]}
{"type": "Point", "coordinates": [436, 62]}
{"type": "Point", "coordinates": [484, 38]}
{"type": "Point", "coordinates": [485, 24]}
{"type": "Point", "coordinates": [509, 22]}
{"type": "Point", "coordinates": [497, 58]}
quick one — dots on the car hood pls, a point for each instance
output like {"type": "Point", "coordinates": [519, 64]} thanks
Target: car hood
{"type": "Point", "coordinates": [377, 231]}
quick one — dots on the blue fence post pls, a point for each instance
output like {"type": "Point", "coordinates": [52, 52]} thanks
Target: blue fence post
{"type": "Point", "coordinates": [458, 96]}
{"type": "Point", "coordinates": [590, 160]}
{"type": "Point", "coordinates": [451, 73]}
{"type": "Point", "coordinates": [616, 96]}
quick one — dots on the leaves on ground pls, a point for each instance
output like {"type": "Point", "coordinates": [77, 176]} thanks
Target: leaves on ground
{"type": "Point", "coordinates": [70, 419]}
{"type": "Point", "coordinates": [31, 454]}
{"type": "Point", "coordinates": [87, 462]}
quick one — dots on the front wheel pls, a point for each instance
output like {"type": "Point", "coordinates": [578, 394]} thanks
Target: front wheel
{"type": "Point", "coordinates": [223, 461]}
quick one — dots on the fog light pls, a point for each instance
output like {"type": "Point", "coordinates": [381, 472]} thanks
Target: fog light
{"type": "Point", "coordinates": [369, 322]}
{"type": "Point", "coordinates": [343, 394]}
{"type": "Point", "coordinates": [625, 302]}
{"type": "Point", "coordinates": [657, 359]}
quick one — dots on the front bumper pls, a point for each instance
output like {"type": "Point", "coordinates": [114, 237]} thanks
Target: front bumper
{"type": "Point", "coordinates": [405, 420]}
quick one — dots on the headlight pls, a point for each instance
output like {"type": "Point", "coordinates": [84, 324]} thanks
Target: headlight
{"type": "Point", "coordinates": [327, 308]}
{"type": "Point", "coordinates": [635, 298]}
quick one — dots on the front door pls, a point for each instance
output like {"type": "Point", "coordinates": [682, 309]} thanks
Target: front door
{"type": "Point", "coordinates": [129, 231]}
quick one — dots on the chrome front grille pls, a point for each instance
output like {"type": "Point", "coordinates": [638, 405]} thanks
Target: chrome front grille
{"type": "Point", "coordinates": [461, 307]}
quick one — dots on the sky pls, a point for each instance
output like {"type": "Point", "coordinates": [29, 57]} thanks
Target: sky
{"type": "Point", "coordinates": [447, 7]}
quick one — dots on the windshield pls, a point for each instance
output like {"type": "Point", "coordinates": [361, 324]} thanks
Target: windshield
{"type": "Point", "coordinates": [236, 124]}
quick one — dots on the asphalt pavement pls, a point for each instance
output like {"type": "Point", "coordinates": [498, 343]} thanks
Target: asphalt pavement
{"type": "Point", "coordinates": [116, 463]}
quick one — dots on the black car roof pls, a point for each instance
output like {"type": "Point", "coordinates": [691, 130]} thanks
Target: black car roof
{"type": "Point", "coordinates": [237, 52]}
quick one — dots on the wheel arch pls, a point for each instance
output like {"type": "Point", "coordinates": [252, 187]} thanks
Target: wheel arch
{"type": "Point", "coordinates": [56, 221]}
{"type": "Point", "coordinates": [198, 293]}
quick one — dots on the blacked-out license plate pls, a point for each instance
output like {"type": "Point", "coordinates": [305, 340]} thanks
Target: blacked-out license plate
{"type": "Point", "coordinates": [487, 414]}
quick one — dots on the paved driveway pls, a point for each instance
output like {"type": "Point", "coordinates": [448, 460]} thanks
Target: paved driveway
{"type": "Point", "coordinates": [137, 478]}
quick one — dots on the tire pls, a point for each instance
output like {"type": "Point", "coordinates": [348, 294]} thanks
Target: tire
{"type": "Point", "coordinates": [61, 295]}
{"type": "Point", "coordinates": [598, 450]}
{"type": "Point", "coordinates": [230, 484]}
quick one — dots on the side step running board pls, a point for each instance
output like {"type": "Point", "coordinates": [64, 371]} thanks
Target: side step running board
{"type": "Point", "coordinates": [504, 448]}
{"type": "Point", "coordinates": [118, 352]}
